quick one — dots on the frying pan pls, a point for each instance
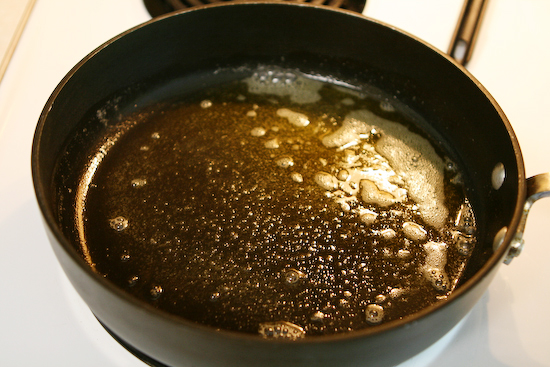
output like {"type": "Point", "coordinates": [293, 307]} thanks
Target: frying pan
{"type": "Point", "coordinates": [335, 42]}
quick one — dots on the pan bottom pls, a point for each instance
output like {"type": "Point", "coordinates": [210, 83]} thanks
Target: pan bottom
{"type": "Point", "coordinates": [135, 352]}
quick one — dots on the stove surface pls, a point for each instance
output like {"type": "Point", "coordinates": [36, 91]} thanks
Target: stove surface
{"type": "Point", "coordinates": [43, 322]}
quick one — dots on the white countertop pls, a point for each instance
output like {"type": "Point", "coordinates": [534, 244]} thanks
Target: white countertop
{"type": "Point", "coordinates": [43, 322]}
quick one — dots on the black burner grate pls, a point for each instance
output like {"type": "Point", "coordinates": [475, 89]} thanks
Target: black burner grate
{"type": "Point", "coordinates": [159, 7]}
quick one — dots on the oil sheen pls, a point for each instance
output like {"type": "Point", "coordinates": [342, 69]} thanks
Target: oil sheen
{"type": "Point", "coordinates": [280, 205]}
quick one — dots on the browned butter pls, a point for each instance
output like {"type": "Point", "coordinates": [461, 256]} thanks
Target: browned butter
{"type": "Point", "coordinates": [279, 205]}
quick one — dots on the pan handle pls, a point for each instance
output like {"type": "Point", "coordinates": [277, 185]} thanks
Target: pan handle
{"type": "Point", "coordinates": [538, 187]}
{"type": "Point", "coordinates": [467, 28]}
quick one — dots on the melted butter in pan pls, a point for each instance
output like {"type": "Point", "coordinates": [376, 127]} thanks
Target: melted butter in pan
{"type": "Point", "coordinates": [280, 205]}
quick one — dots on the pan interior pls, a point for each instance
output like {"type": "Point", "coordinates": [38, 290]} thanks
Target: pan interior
{"type": "Point", "coordinates": [229, 198]}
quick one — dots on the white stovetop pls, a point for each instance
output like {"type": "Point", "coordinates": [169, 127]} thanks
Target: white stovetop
{"type": "Point", "coordinates": [44, 323]}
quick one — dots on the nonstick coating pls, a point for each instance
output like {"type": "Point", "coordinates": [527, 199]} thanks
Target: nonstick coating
{"type": "Point", "coordinates": [340, 43]}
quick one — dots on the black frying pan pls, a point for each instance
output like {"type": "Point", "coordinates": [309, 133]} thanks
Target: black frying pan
{"type": "Point", "coordinates": [460, 112]}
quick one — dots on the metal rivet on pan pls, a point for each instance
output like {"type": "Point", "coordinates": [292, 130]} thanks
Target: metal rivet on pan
{"type": "Point", "coordinates": [498, 176]}
{"type": "Point", "coordinates": [499, 238]}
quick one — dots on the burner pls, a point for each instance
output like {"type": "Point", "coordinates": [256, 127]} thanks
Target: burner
{"type": "Point", "coordinates": [159, 7]}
